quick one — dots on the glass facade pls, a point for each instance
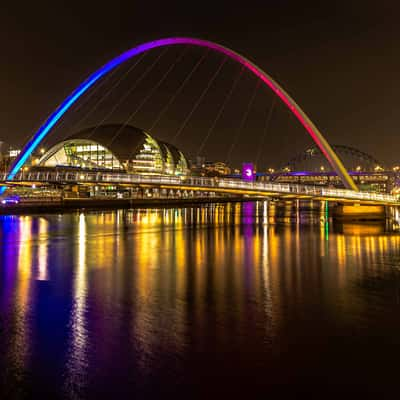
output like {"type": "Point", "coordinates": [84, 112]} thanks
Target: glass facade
{"type": "Point", "coordinates": [147, 157]}
{"type": "Point", "coordinates": [181, 167]}
{"type": "Point", "coordinates": [81, 153]}
{"type": "Point", "coordinates": [148, 160]}
{"type": "Point", "coordinates": [169, 165]}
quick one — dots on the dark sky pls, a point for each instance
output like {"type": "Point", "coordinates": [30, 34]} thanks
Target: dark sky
{"type": "Point", "coordinates": [338, 59]}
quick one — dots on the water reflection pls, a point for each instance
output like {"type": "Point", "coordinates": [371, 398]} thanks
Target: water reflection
{"type": "Point", "coordinates": [167, 294]}
{"type": "Point", "coordinates": [42, 273]}
{"type": "Point", "coordinates": [20, 344]}
{"type": "Point", "coordinates": [77, 352]}
{"type": "Point", "coordinates": [16, 294]}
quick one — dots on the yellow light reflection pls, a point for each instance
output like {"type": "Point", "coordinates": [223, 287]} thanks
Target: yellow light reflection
{"type": "Point", "coordinates": [20, 345]}
{"type": "Point", "coordinates": [42, 274]}
{"type": "Point", "coordinates": [77, 357]}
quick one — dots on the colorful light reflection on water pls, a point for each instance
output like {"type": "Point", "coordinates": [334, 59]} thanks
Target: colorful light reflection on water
{"type": "Point", "coordinates": [135, 302]}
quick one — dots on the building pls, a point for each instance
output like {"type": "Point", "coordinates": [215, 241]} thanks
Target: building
{"type": "Point", "coordinates": [116, 147]}
{"type": "Point", "coordinates": [7, 155]}
{"type": "Point", "coordinates": [218, 167]}
{"type": "Point", "coordinates": [209, 168]}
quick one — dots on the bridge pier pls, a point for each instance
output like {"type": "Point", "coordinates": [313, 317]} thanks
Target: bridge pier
{"type": "Point", "coordinates": [358, 212]}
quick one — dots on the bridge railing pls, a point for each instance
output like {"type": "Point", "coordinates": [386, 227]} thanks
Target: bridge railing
{"type": "Point", "coordinates": [316, 191]}
{"type": "Point", "coordinates": [203, 182]}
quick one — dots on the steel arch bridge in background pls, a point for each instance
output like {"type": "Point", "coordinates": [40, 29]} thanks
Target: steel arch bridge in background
{"type": "Point", "coordinates": [313, 131]}
{"type": "Point", "coordinates": [314, 152]}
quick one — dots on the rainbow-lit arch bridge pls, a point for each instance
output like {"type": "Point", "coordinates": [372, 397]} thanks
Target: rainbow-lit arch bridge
{"type": "Point", "coordinates": [315, 134]}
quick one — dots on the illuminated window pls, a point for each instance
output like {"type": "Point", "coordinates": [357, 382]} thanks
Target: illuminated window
{"type": "Point", "coordinates": [149, 158]}
{"type": "Point", "coordinates": [169, 165]}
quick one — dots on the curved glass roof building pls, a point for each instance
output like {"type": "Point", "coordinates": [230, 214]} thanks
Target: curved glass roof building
{"type": "Point", "coordinates": [117, 147]}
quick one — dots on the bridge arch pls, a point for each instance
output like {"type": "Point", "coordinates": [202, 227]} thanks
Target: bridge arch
{"type": "Point", "coordinates": [313, 131]}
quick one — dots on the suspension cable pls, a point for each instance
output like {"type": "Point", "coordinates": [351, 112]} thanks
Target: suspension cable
{"type": "Point", "coordinates": [130, 90]}
{"type": "Point", "coordinates": [150, 93]}
{"type": "Point", "coordinates": [178, 91]}
{"type": "Point", "coordinates": [266, 128]}
{"type": "Point", "coordinates": [83, 102]}
{"type": "Point", "coordinates": [197, 103]}
{"type": "Point", "coordinates": [107, 94]}
{"type": "Point", "coordinates": [221, 110]}
{"type": "Point", "coordinates": [242, 122]}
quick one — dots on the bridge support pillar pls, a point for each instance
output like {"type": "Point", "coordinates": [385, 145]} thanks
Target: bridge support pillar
{"type": "Point", "coordinates": [357, 212]}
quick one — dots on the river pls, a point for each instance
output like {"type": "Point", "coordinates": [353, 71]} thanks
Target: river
{"type": "Point", "coordinates": [213, 300]}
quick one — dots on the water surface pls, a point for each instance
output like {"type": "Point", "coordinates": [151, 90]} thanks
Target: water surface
{"type": "Point", "coordinates": [211, 300]}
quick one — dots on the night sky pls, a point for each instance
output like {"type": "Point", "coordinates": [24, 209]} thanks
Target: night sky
{"type": "Point", "coordinates": [339, 60]}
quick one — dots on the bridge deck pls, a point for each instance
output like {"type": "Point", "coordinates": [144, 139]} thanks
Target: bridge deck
{"type": "Point", "coordinates": [221, 185]}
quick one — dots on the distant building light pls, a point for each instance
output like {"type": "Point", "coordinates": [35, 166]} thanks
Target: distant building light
{"type": "Point", "coordinates": [14, 153]}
